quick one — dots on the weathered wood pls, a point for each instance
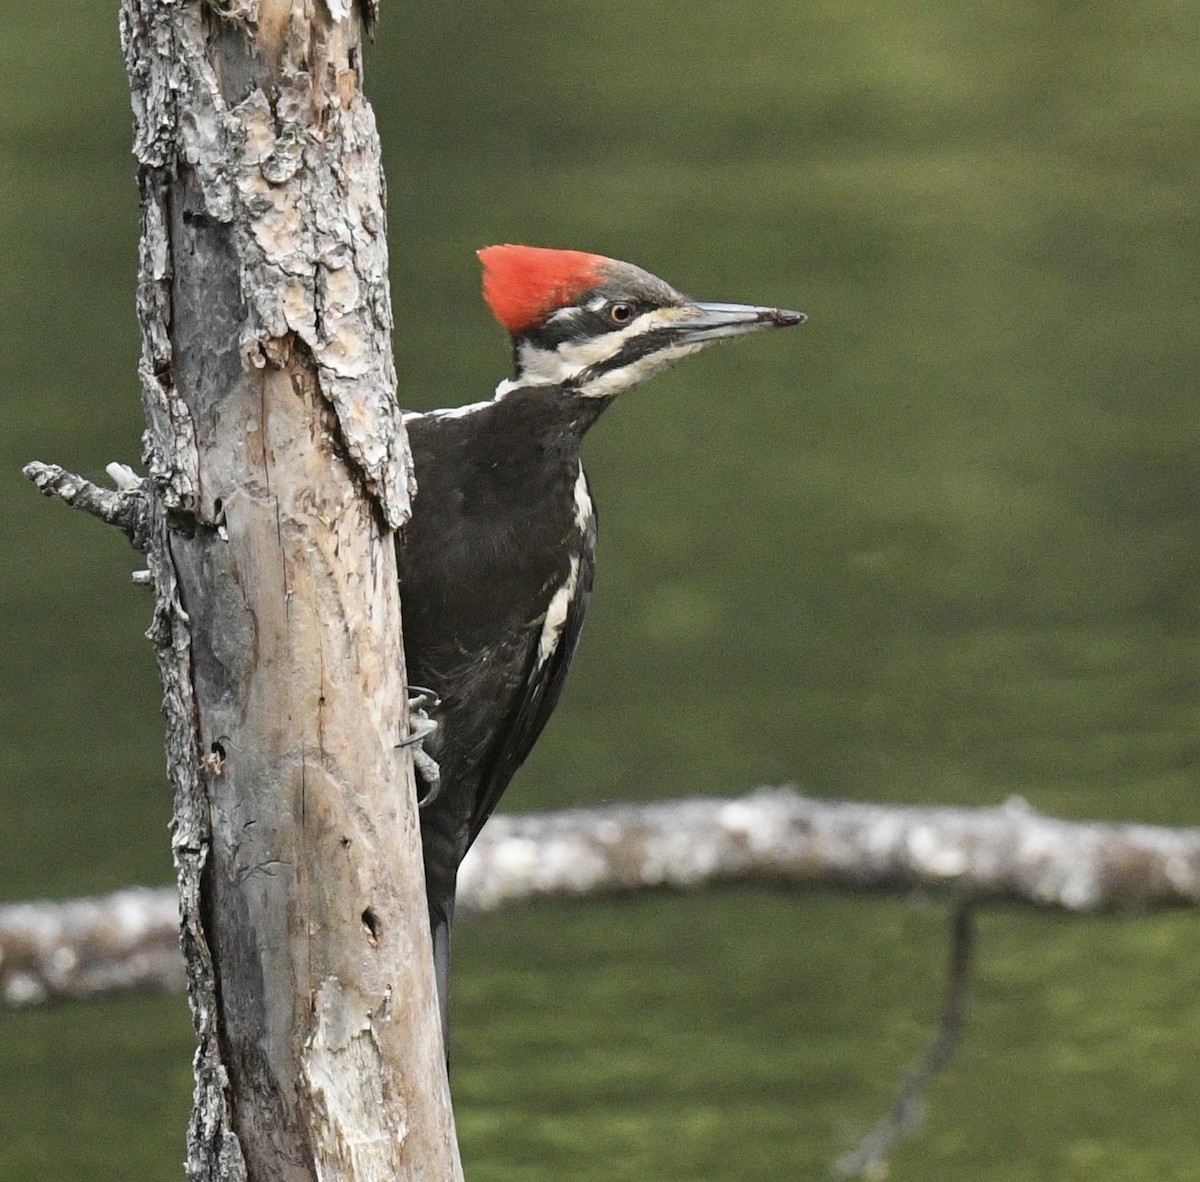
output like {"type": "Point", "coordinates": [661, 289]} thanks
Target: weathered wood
{"type": "Point", "coordinates": [1008, 856]}
{"type": "Point", "coordinates": [78, 948]}
{"type": "Point", "coordinates": [125, 506]}
{"type": "Point", "coordinates": [277, 470]}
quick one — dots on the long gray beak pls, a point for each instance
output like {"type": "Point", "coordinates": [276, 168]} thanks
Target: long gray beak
{"type": "Point", "coordinates": [712, 322]}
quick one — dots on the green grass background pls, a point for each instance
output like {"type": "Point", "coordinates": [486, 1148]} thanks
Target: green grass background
{"type": "Point", "coordinates": [937, 545]}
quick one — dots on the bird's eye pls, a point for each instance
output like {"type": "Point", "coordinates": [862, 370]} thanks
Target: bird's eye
{"type": "Point", "coordinates": [620, 313]}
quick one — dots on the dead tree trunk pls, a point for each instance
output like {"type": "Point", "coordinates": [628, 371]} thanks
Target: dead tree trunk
{"type": "Point", "coordinates": [277, 472]}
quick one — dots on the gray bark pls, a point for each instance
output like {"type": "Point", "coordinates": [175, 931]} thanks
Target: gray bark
{"type": "Point", "coordinates": [1008, 855]}
{"type": "Point", "coordinates": [79, 948]}
{"type": "Point", "coordinates": [277, 470]}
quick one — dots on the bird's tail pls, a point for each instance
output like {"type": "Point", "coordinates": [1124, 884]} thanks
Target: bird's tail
{"type": "Point", "coordinates": [440, 919]}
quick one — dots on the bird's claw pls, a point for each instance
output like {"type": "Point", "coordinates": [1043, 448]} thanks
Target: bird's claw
{"type": "Point", "coordinates": [421, 699]}
{"type": "Point", "coordinates": [427, 768]}
{"type": "Point", "coordinates": [420, 702]}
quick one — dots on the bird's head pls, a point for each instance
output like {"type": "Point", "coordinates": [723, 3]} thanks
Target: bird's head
{"type": "Point", "coordinates": [598, 326]}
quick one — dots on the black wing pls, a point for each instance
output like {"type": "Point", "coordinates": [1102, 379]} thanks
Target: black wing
{"type": "Point", "coordinates": [540, 691]}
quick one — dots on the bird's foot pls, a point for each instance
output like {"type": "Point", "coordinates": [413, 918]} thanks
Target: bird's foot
{"type": "Point", "coordinates": [421, 701]}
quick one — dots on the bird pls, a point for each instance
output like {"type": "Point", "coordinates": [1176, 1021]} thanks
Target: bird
{"type": "Point", "coordinates": [497, 561]}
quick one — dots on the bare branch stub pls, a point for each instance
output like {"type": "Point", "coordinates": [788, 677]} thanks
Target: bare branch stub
{"type": "Point", "coordinates": [125, 507]}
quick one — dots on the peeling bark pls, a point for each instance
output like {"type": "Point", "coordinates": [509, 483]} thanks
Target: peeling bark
{"type": "Point", "coordinates": [277, 469]}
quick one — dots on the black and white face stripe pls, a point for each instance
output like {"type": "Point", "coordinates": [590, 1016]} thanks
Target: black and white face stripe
{"type": "Point", "coordinates": [597, 317]}
{"type": "Point", "coordinates": [602, 364]}
{"type": "Point", "coordinates": [624, 331]}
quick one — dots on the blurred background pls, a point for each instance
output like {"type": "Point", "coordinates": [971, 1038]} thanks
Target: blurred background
{"type": "Point", "coordinates": [937, 545]}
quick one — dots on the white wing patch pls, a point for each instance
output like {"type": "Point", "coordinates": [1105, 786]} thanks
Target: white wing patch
{"type": "Point", "coordinates": [556, 615]}
{"type": "Point", "coordinates": [453, 412]}
{"type": "Point", "coordinates": [583, 502]}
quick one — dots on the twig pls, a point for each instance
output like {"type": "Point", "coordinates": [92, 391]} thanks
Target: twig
{"type": "Point", "coordinates": [869, 1159]}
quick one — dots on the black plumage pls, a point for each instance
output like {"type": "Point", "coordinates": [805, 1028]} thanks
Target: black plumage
{"type": "Point", "coordinates": [497, 562]}
{"type": "Point", "coordinates": [477, 578]}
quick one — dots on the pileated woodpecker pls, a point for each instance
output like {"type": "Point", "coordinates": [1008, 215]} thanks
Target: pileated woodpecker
{"type": "Point", "coordinates": [496, 564]}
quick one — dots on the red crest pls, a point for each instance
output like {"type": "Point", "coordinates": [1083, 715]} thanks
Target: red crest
{"type": "Point", "coordinates": [521, 284]}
